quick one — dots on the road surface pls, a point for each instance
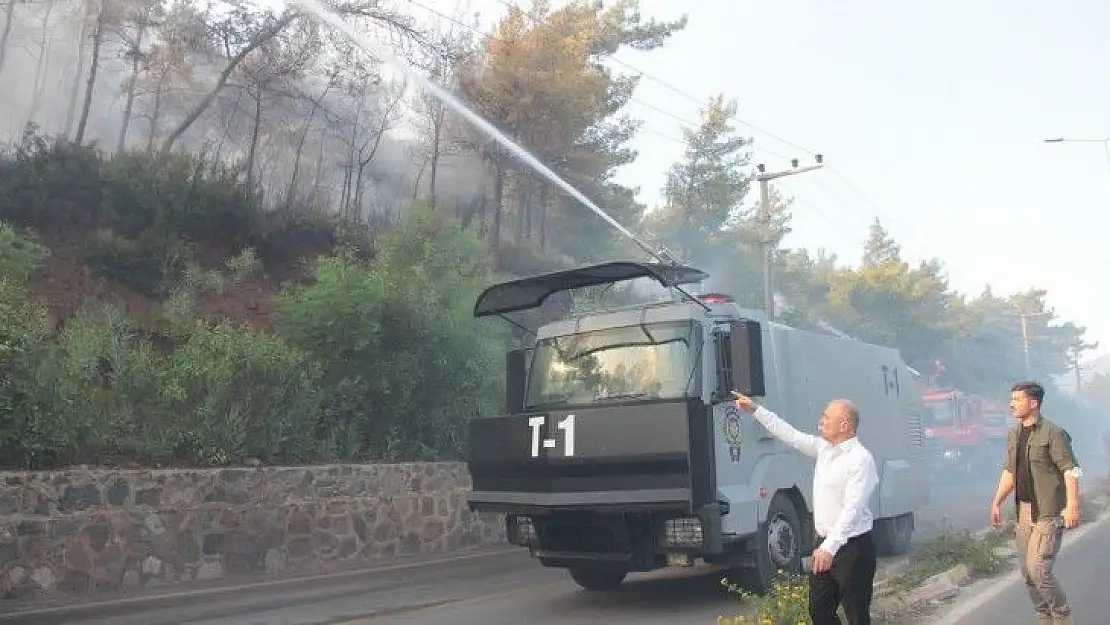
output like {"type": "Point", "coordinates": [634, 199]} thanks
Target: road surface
{"type": "Point", "coordinates": [493, 590]}
{"type": "Point", "coordinates": [1083, 568]}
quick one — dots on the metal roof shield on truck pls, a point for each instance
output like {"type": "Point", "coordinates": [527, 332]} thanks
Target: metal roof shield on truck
{"type": "Point", "coordinates": [528, 293]}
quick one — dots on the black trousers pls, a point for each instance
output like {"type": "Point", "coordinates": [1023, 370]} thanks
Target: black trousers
{"type": "Point", "coordinates": [850, 582]}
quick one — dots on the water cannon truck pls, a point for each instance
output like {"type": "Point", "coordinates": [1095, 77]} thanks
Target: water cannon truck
{"type": "Point", "coordinates": [621, 450]}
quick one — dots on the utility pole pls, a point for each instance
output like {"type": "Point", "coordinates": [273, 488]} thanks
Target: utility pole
{"type": "Point", "coordinates": [1076, 348]}
{"type": "Point", "coordinates": [1025, 340]}
{"type": "Point", "coordinates": [764, 177]}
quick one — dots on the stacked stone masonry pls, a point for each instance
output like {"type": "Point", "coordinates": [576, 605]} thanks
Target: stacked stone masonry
{"type": "Point", "coordinates": [80, 532]}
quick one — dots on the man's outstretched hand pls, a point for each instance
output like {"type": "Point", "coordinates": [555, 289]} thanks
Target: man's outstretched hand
{"type": "Point", "coordinates": [745, 403]}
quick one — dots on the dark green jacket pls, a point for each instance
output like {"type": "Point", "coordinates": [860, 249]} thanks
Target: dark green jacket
{"type": "Point", "coordinates": [1050, 455]}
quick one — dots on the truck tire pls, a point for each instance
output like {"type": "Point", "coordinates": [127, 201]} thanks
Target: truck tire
{"type": "Point", "coordinates": [779, 545]}
{"type": "Point", "coordinates": [894, 534]}
{"type": "Point", "coordinates": [598, 577]}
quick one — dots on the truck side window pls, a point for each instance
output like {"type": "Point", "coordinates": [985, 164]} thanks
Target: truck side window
{"type": "Point", "coordinates": [722, 343]}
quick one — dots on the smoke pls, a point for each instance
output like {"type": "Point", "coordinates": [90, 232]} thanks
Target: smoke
{"type": "Point", "coordinates": [1086, 424]}
{"type": "Point", "coordinates": [298, 103]}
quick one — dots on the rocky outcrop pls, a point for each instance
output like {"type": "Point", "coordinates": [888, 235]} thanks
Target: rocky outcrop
{"type": "Point", "coordinates": [80, 531]}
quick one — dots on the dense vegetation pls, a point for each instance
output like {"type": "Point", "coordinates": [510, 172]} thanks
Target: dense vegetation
{"type": "Point", "coordinates": [300, 290]}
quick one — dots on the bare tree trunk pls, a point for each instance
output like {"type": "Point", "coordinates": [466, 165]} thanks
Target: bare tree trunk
{"type": "Point", "coordinates": [227, 126]}
{"type": "Point", "coordinates": [9, 21]}
{"type": "Point", "coordinates": [40, 76]}
{"type": "Point", "coordinates": [98, 35]}
{"type": "Point", "coordinates": [129, 106]}
{"type": "Point", "coordinates": [437, 139]}
{"type": "Point", "coordinates": [545, 200]}
{"type": "Point", "coordinates": [156, 112]}
{"type": "Point", "coordinates": [316, 175]}
{"type": "Point", "coordinates": [358, 190]}
{"type": "Point", "coordinates": [76, 89]}
{"type": "Point", "coordinates": [300, 143]}
{"type": "Point", "coordinates": [498, 201]}
{"type": "Point", "coordinates": [419, 177]}
{"type": "Point", "coordinates": [352, 158]}
{"type": "Point", "coordinates": [253, 151]}
{"type": "Point", "coordinates": [202, 106]}
{"type": "Point", "coordinates": [536, 188]}
{"type": "Point", "coordinates": [364, 162]}
{"type": "Point", "coordinates": [345, 193]}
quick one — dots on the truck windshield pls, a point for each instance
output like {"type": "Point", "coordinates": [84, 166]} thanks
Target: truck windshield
{"type": "Point", "coordinates": [939, 412]}
{"type": "Point", "coordinates": [650, 361]}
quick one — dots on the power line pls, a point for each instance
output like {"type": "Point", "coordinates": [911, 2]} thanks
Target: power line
{"type": "Point", "coordinates": [701, 101]}
{"type": "Point", "coordinates": [676, 117]}
{"type": "Point", "coordinates": [682, 120]}
{"type": "Point", "coordinates": [691, 97]}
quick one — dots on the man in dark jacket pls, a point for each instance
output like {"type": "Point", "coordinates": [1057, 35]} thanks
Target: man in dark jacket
{"type": "Point", "coordinates": [1042, 472]}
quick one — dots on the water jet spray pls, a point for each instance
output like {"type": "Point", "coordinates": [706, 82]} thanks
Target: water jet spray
{"type": "Point", "coordinates": [328, 17]}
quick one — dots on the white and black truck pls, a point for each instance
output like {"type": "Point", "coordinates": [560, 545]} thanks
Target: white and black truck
{"type": "Point", "coordinates": [621, 448]}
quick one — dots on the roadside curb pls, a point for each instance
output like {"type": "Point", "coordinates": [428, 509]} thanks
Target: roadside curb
{"type": "Point", "coordinates": [34, 615]}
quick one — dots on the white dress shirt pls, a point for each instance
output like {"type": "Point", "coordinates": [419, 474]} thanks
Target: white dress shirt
{"type": "Point", "coordinates": [843, 481]}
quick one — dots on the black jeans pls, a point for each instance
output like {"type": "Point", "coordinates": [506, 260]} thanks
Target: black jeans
{"type": "Point", "coordinates": [850, 582]}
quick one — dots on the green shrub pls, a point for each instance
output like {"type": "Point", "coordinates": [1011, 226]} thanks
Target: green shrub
{"type": "Point", "coordinates": [230, 394]}
{"type": "Point", "coordinates": [397, 338]}
{"type": "Point", "coordinates": [22, 329]}
{"type": "Point", "coordinates": [179, 309]}
{"type": "Point", "coordinates": [949, 549]}
{"type": "Point", "coordinates": [378, 359]}
{"type": "Point", "coordinates": [178, 194]}
{"type": "Point", "coordinates": [21, 256]}
{"type": "Point", "coordinates": [148, 263]}
{"type": "Point", "coordinates": [49, 182]}
{"type": "Point", "coordinates": [77, 400]}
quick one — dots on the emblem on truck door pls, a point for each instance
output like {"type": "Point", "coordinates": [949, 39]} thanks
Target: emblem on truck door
{"type": "Point", "coordinates": [733, 431]}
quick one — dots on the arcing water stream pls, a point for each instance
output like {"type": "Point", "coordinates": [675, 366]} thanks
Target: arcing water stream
{"type": "Point", "coordinates": [323, 14]}
{"type": "Point", "coordinates": [333, 20]}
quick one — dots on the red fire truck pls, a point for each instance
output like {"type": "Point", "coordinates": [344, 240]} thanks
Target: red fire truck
{"type": "Point", "coordinates": [957, 436]}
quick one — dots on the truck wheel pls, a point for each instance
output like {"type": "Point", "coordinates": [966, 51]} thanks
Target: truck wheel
{"type": "Point", "coordinates": [779, 545]}
{"type": "Point", "coordinates": [893, 535]}
{"type": "Point", "coordinates": [597, 578]}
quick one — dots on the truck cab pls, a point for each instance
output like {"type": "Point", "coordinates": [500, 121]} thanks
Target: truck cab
{"type": "Point", "coordinates": [621, 449]}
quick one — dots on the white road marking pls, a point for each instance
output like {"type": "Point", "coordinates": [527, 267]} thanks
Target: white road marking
{"type": "Point", "coordinates": [961, 610]}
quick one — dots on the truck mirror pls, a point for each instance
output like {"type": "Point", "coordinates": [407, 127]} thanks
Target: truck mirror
{"type": "Point", "coordinates": [516, 379]}
{"type": "Point", "coordinates": [746, 341]}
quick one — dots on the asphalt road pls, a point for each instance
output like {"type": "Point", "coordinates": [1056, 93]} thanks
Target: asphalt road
{"type": "Point", "coordinates": [500, 589]}
{"type": "Point", "coordinates": [1082, 568]}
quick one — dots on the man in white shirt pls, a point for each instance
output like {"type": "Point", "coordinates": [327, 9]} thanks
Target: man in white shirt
{"type": "Point", "coordinates": [844, 562]}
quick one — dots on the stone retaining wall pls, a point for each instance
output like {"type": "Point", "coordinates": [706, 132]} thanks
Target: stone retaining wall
{"type": "Point", "coordinates": [77, 532]}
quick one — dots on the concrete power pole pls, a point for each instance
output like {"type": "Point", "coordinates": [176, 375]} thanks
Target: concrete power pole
{"type": "Point", "coordinates": [1077, 348]}
{"type": "Point", "coordinates": [1025, 340]}
{"type": "Point", "coordinates": [764, 177]}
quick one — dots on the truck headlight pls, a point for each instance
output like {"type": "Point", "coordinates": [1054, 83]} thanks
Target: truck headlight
{"type": "Point", "coordinates": [520, 531]}
{"type": "Point", "coordinates": [685, 532]}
